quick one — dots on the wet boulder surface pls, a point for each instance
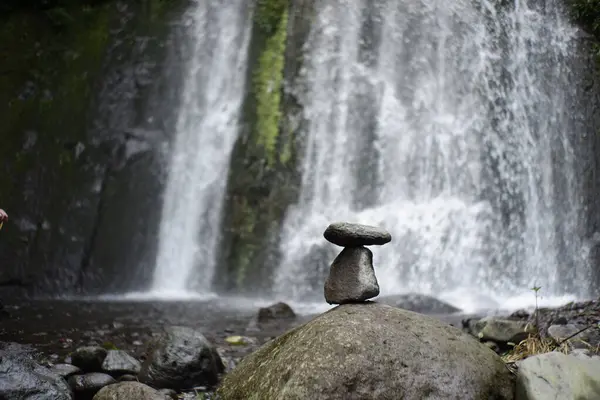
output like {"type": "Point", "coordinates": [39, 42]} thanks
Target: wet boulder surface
{"type": "Point", "coordinates": [370, 351]}
{"type": "Point", "coordinates": [21, 377]}
{"type": "Point", "coordinates": [181, 358]}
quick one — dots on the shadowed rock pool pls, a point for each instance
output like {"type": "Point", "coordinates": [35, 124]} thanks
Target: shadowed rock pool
{"type": "Point", "coordinates": [57, 327]}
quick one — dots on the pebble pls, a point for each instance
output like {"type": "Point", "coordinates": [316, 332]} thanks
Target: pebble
{"type": "Point", "coordinates": [86, 386]}
{"type": "Point", "coordinates": [65, 370]}
{"type": "Point", "coordinates": [89, 358]}
{"type": "Point", "coordinates": [118, 362]}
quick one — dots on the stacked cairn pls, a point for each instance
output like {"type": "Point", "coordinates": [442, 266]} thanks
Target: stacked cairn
{"type": "Point", "coordinates": [351, 276]}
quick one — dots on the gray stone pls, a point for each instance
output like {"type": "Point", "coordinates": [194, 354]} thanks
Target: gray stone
{"type": "Point", "coordinates": [351, 277]}
{"type": "Point", "coordinates": [86, 386]}
{"type": "Point", "coordinates": [118, 362]}
{"type": "Point", "coordinates": [274, 312]}
{"type": "Point", "coordinates": [370, 351]}
{"type": "Point", "coordinates": [346, 234]}
{"type": "Point", "coordinates": [171, 394]}
{"type": "Point", "coordinates": [64, 370]}
{"type": "Point", "coordinates": [127, 378]}
{"type": "Point", "coordinates": [562, 332]}
{"type": "Point", "coordinates": [181, 358]}
{"type": "Point", "coordinates": [582, 353]}
{"type": "Point", "coordinates": [500, 330]}
{"type": "Point", "coordinates": [89, 358]}
{"type": "Point", "coordinates": [22, 378]}
{"type": "Point", "coordinates": [558, 376]}
{"type": "Point", "coordinates": [129, 391]}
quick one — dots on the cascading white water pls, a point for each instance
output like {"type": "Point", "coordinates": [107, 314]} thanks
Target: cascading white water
{"type": "Point", "coordinates": [444, 122]}
{"type": "Point", "coordinates": [206, 130]}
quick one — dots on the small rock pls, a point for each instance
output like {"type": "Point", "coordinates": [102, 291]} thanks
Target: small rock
{"type": "Point", "coordinates": [346, 234]}
{"type": "Point", "coordinates": [127, 378]}
{"type": "Point", "coordinates": [520, 314]}
{"type": "Point", "coordinates": [500, 330]}
{"type": "Point", "coordinates": [229, 364]}
{"type": "Point", "coordinates": [86, 386]}
{"type": "Point", "coordinates": [581, 353]}
{"type": "Point", "coordinates": [118, 362]}
{"type": "Point", "coordinates": [277, 311]}
{"type": "Point", "coordinates": [170, 393]}
{"type": "Point", "coordinates": [118, 325]}
{"type": "Point", "coordinates": [65, 370]}
{"type": "Point", "coordinates": [89, 358]}
{"type": "Point", "coordinates": [493, 346]}
{"type": "Point", "coordinates": [558, 376]}
{"type": "Point", "coordinates": [129, 391]}
{"type": "Point", "coordinates": [560, 321]}
{"type": "Point", "coordinates": [562, 332]}
{"type": "Point", "coordinates": [181, 358]}
{"type": "Point", "coordinates": [351, 277]}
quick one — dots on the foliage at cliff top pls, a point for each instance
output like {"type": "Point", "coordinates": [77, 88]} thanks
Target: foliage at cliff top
{"type": "Point", "coordinates": [587, 13]}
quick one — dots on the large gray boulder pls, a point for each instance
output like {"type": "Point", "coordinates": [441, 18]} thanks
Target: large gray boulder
{"type": "Point", "coordinates": [370, 351]}
{"type": "Point", "coordinates": [182, 358]}
{"type": "Point", "coordinates": [23, 378]}
{"type": "Point", "coordinates": [558, 376]}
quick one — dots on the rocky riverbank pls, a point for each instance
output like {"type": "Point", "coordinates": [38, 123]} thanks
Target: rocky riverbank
{"type": "Point", "coordinates": [125, 334]}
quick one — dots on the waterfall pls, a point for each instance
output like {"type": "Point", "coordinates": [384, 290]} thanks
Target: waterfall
{"type": "Point", "coordinates": [446, 124]}
{"type": "Point", "coordinates": [205, 132]}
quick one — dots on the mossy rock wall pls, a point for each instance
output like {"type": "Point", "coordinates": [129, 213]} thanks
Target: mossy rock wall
{"type": "Point", "coordinates": [585, 100]}
{"type": "Point", "coordinates": [74, 80]}
{"type": "Point", "coordinates": [264, 179]}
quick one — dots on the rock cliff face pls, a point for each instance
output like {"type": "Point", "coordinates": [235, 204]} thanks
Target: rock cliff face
{"type": "Point", "coordinates": [584, 101]}
{"type": "Point", "coordinates": [77, 173]}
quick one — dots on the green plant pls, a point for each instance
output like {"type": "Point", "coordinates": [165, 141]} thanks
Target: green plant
{"type": "Point", "coordinates": [109, 346]}
{"type": "Point", "coordinates": [536, 289]}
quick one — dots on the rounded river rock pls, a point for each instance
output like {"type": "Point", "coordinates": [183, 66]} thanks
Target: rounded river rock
{"type": "Point", "coordinates": [351, 277]}
{"type": "Point", "coordinates": [347, 234]}
{"type": "Point", "coordinates": [370, 351]}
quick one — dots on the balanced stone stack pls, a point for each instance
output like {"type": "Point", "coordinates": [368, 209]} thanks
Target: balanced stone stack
{"type": "Point", "coordinates": [351, 276]}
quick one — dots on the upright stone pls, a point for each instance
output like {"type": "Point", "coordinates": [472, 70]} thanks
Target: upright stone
{"type": "Point", "coordinates": [346, 234]}
{"type": "Point", "coordinates": [351, 277]}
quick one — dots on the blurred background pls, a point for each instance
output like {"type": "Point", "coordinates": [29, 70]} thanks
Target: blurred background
{"type": "Point", "coordinates": [173, 150]}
